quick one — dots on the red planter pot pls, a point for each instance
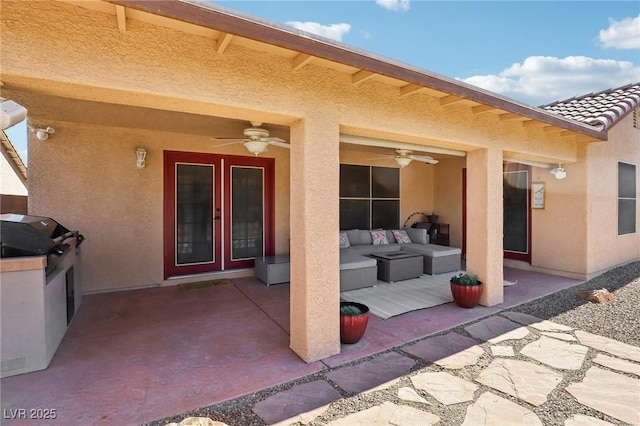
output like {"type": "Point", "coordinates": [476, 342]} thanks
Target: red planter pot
{"type": "Point", "coordinates": [466, 296]}
{"type": "Point", "coordinates": [352, 327]}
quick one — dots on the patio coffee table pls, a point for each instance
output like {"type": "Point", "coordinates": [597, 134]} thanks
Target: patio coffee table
{"type": "Point", "coordinates": [398, 266]}
{"type": "Point", "coordinates": [273, 269]}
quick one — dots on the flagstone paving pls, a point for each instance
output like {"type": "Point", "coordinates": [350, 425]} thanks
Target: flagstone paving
{"type": "Point", "coordinates": [502, 374]}
{"type": "Point", "coordinates": [556, 353]}
{"type": "Point", "coordinates": [611, 393]}
{"type": "Point", "coordinates": [491, 409]}
{"type": "Point", "coordinates": [497, 329]}
{"type": "Point", "coordinates": [582, 420]}
{"type": "Point", "coordinates": [524, 380]}
{"type": "Point", "coordinates": [450, 350]}
{"type": "Point", "coordinates": [444, 387]}
{"type": "Point", "coordinates": [609, 345]}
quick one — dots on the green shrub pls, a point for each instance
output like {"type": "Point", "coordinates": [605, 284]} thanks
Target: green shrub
{"type": "Point", "coordinates": [465, 279]}
{"type": "Point", "coordinates": [350, 310]}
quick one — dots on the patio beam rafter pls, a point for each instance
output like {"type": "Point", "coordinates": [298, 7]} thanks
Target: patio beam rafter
{"type": "Point", "coordinates": [449, 100]}
{"type": "Point", "coordinates": [250, 28]}
{"type": "Point", "coordinates": [301, 60]}
{"type": "Point", "coordinates": [223, 42]}
{"type": "Point", "coordinates": [121, 15]}
{"type": "Point", "coordinates": [410, 89]}
{"type": "Point", "coordinates": [361, 76]}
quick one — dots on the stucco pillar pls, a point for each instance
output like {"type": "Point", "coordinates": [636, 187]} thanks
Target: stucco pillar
{"type": "Point", "coordinates": [485, 223]}
{"type": "Point", "coordinates": [315, 274]}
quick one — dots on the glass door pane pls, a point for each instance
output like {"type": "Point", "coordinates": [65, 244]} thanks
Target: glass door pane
{"type": "Point", "coordinates": [516, 211]}
{"type": "Point", "coordinates": [247, 212]}
{"type": "Point", "coordinates": [194, 214]}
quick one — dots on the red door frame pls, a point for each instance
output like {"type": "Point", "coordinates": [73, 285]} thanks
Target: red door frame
{"type": "Point", "coordinates": [222, 182]}
{"type": "Point", "coordinates": [516, 167]}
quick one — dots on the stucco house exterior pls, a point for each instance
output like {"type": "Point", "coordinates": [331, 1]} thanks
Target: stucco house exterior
{"type": "Point", "coordinates": [168, 76]}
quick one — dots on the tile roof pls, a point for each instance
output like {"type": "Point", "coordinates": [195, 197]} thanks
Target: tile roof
{"type": "Point", "coordinates": [601, 110]}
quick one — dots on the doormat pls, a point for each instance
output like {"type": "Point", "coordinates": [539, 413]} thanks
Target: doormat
{"type": "Point", "coordinates": [204, 284]}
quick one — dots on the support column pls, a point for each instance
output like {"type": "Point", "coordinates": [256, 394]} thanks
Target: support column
{"type": "Point", "coordinates": [315, 273]}
{"type": "Point", "coordinates": [485, 223]}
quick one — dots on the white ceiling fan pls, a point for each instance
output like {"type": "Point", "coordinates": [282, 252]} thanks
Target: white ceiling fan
{"type": "Point", "coordinates": [403, 157]}
{"type": "Point", "coordinates": [257, 139]}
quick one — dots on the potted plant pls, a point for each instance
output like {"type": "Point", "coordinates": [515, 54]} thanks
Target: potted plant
{"type": "Point", "coordinates": [466, 290]}
{"type": "Point", "coordinates": [353, 321]}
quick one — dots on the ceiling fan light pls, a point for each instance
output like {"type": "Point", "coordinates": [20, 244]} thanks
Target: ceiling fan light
{"type": "Point", "coordinates": [403, 161]}
{"type": "Point", "coordinates": [559, 173]}
{"type": "Point", "coordinates": [256, 147]}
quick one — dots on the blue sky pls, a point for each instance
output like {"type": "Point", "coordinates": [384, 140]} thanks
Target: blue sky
{"type": "Point", "coordinates": [534, 52]}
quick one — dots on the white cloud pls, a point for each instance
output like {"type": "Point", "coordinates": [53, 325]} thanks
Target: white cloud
{"type": "Point", "coordinates": [623, 34]}
{"type": "Point", "coordinates": [395, 5]}
{"type": "Point", "coordinates": [545, 79]}
{"type": "Point", "coordinates": [333, 31]}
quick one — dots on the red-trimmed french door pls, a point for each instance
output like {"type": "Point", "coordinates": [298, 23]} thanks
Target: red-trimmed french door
{"type": "Point", "coordinates": [517, 211]}
{"type": "Point", "coordinates": [218, 212]}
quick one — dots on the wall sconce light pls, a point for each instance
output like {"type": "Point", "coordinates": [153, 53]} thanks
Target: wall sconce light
{"type": "Point", "coordinates": [256, 147]}
{"type": "Point", "coordinates": [141, 155]}
{"type": "Point", "coordinates": [43, 134]}
{"type": "Point", "coordinates": [559, 173]}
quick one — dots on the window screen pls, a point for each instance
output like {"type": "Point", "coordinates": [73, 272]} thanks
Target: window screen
{"type": "Point", "coordinates": [626, 198]}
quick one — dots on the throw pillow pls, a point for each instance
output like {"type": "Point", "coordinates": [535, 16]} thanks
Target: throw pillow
{"type": "Point", "coordinates": [379, 238]}
{"type": "Point", "coordinates": [344, 241]}
{"type": "Point", "coordinates": [401, 236]}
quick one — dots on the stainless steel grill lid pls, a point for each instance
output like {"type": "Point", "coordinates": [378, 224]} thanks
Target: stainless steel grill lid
{"type": "Point", "coordinates": [26, 235]}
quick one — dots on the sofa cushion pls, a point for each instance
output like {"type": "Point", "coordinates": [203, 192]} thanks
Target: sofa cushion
{"type": "Point", "coordinates": [418, 235]}
{"type": "Point", "coordinates": [354, 236]}
{"type": "Point", "coordinates": [387, 248]}
{"type": "Point", "coordinates": [379, 237]}
{"type": "Point", "coordinates": [362, 249]}
{"type": "Point", "coordinates": [401, 236]}
{"type": "Point", "coordinates": [350, 260]}
{"type": "Point", "coordinates": [344, 241]}
{"type": "Point", "coordinates": [431, 250]}
{"type": "Point", "coordinates": [365, 237]}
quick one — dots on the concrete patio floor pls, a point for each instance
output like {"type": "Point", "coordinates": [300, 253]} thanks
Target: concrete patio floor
{"type": "Point", "coordinates": [142, 355]}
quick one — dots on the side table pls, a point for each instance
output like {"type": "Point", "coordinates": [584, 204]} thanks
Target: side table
{"type": "Point", "coordinates": [273, 269]}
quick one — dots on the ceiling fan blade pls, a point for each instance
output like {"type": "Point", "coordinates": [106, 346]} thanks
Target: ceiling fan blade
{"type": "Point", "coordinates": [424, 159]}
{"type": "Point", "coordinates": [235, 141]}
{"type": "Point", "coordinates": [280, 144]}
{"type": "Point", "coordinates": [386, 157]}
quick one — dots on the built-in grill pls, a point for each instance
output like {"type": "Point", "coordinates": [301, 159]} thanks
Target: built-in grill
{"type": "Point", "coordinates": [26, 235]}
{"type": "Point", "coordinates": [38, 301]}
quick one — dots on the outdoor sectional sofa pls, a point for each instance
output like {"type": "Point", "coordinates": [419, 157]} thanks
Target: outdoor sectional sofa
{"type": "Point", "coordinates": [358, 269]}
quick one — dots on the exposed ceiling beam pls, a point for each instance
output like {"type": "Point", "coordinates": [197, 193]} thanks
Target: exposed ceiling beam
{"type": "Point", "coordinates": [479, 109]}
{"type": "Point", "coordinates": [385, 143]}
{"type": "Point", "coordinates": [532, 123]}
{"type": "Point", "coordinates": [301, 60]}
{"type": "Point", "coordinates": [121, 15]}
{"type": "Point", "coordinates": [510, 116]}
{"type": "Point", "coordinates": [451, 99]}
{"type": "Point", "coordinates": [223, 41]}
{"type": "Point", "coordinates": [361, 76]}
{"type": "Point", "coordinates": [411, 88]}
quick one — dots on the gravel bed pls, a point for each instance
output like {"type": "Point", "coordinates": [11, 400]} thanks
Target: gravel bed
{"type": "Point", "coordinates": [618, 319]}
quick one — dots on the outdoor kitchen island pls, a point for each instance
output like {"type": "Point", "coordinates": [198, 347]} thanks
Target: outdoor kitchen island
{"type": "Point", "coordinates": [39, 297]}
